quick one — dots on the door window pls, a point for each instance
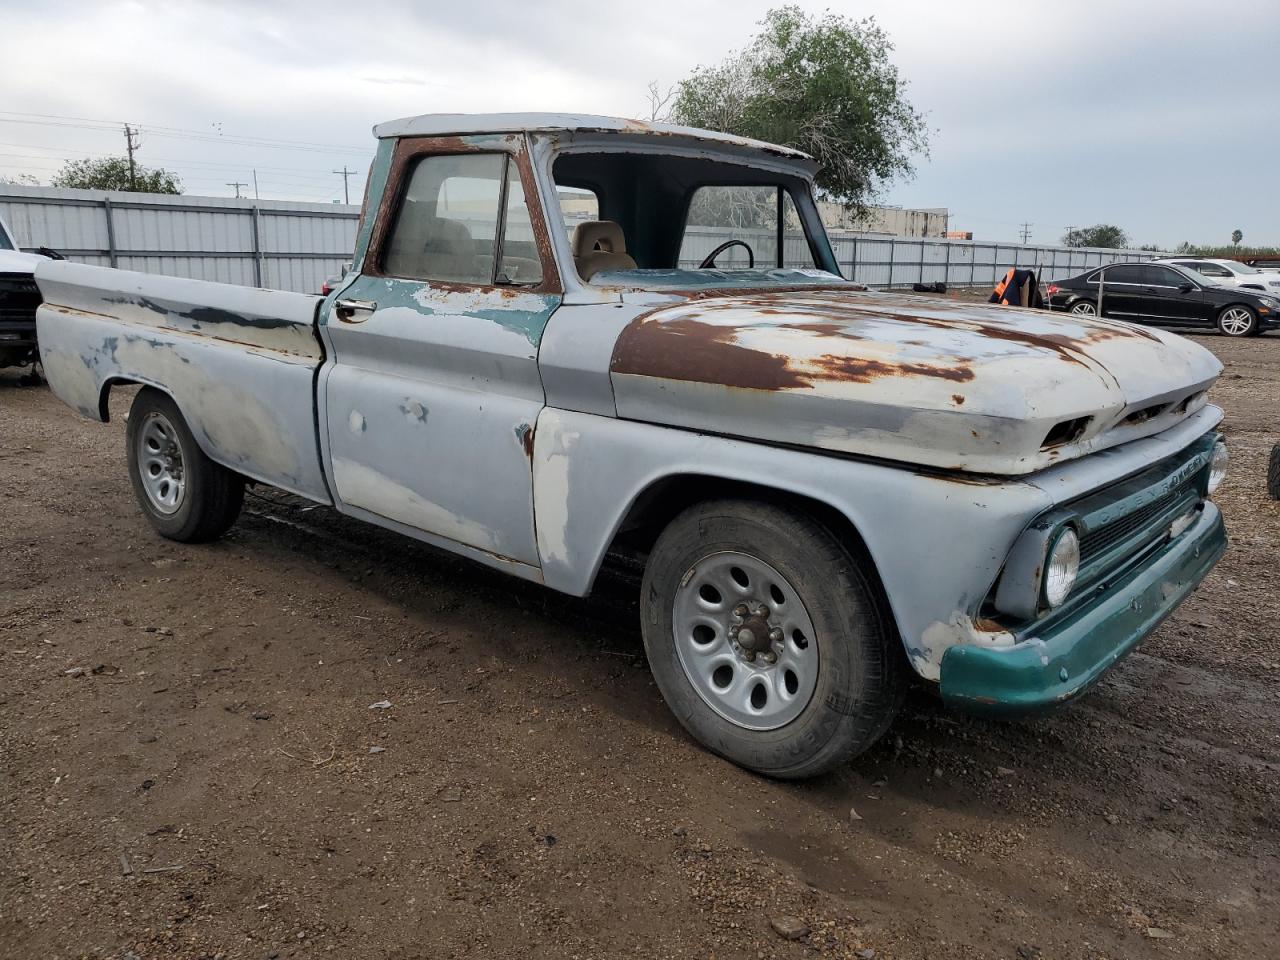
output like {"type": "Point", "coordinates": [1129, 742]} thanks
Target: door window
{"type": "Point", "coordinates": [450, 225]}
{"type": "Point", "coordinates": [1124, 273]}
{"type": "Point", "coordinates": [1164, 277]}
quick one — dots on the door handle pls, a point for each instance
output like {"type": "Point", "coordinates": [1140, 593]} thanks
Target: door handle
{"type": "Point", "coordinates": [354, 311]}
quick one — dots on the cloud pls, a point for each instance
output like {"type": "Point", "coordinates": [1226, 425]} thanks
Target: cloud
{"type": "Point", "coordinates": [1058, 115]}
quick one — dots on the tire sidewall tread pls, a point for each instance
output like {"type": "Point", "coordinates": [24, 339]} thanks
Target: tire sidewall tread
{"type": "Point", "coordinates": [861, 677]}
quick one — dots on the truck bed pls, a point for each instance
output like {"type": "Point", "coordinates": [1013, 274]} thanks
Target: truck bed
{"type": "Point", "coordinates": [240, 362]}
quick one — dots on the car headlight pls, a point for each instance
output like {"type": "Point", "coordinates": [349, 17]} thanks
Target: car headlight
{"type": "Point", "coordinates": [1061, 566]}
{"type": "Point", "coordinates": [1217, 466]}
{"type": "Point", "coordinates": [1269, 303]}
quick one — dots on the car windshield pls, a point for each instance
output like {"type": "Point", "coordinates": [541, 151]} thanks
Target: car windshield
{"type": "Point", "coordinates": [1240, 268]}
{"type": "Point", "coordinates": [5, 242]}
{"type": "Point", "coordinates": [663, 221]}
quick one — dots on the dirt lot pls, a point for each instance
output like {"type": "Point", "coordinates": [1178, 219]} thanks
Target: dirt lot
{"type": "Point", "coordinates": [216, 784]}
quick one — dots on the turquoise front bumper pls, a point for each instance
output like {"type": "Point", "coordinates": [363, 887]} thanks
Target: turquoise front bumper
{"type": "Point", "coordinates": [1063, 659]}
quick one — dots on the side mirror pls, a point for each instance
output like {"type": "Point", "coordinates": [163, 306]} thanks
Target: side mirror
{"type": "Point", "coordinates": [1186, 288]}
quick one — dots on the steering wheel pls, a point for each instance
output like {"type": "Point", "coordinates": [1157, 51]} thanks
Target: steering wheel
{"type": "Point", "coordinates": [710, 259]}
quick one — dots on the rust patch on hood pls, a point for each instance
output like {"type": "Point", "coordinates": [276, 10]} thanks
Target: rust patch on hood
{"type": "Point", "coordinates": [688, 349]}
{"type": "Point", "coordinates": [756, 346]}
{"type": "Point", "coordinates": [864, 370]}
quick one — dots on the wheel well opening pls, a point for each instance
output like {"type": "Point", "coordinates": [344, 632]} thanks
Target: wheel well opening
{"type": "Point", "coordinates": [666, 499]}
{"type": "Point", "coordinates": [104, 398]}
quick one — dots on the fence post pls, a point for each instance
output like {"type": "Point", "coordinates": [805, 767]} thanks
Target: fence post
{"type": "Point", "coordinates": [254, 213]}
{"type": "Point", "coordinates": [853, 260]}
{"type": "Point", "coordinates": [111, 231]}
{"type": "Point", "coordinates": [946, 267]}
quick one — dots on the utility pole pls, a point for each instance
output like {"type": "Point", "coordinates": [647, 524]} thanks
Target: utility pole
{"type": "Point", "coordinates": [345, 173]}
{"type": "Point", "coordinates": [237, 185]}
{"type": "Point", "coordinates": [130, 146]}
{"type": "Point", "coordinates": [255, 184]}
{"type": "Point", "coordinates": [1026, 231]}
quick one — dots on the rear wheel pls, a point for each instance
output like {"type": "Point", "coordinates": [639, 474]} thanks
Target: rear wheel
{"type": "Point", "coordinates": [767, 640]}
{"type": "Point", "coordinates": [1238, 321]}
{"type": "Point", "coordinates": [1084, 308]}
{"type": "Point", "coordinates": [184, 494]}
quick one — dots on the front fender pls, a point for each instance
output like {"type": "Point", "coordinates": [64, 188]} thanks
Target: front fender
{"type": "Point", "coordinates": [938, 542]}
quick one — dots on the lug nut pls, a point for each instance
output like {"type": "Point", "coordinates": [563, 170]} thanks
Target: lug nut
{"type": "Point", "coordinates": [769, 657]}
{"type": "Point", "coordinates": [776, 634]}
{"type": "Point", "coordinates": [733, 631]}
{"type": "Point", "coordinates": [741, 610]}
{"type": "Point", "coordinates": [749, 656]}
{"type": "Point", "coordinates": [762, 610]}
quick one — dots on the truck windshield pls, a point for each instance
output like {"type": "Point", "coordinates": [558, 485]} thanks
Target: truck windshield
{"type": "Point", "coordinates": [657, 221]}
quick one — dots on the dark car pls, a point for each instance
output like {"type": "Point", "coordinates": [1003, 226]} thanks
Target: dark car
{"type": "Point", "coordinates": [1167, 296]}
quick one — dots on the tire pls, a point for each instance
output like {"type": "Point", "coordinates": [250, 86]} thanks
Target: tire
{"type": "Point", "coordinates": [1273, 473]}
{"type": "Point", "coordinates": [185, 495]}
{"type": "Point", "coordinates": [1238, 320]}
{"type": "Point", "coordinates": [1083, 308]}
{"type": "Point", "coordinates": [849, 672]}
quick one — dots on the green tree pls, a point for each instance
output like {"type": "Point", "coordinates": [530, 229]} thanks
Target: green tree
{"type": "Point", "coordinates": [113, 173]}
{"type": "Point", "coordinates": [1099, 235]}
{"type": "Point", "coordinates": [825, 86]}
{"type": "Point", "coordinates": [1236, 237]}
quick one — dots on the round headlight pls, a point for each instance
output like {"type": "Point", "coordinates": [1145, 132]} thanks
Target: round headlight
{"type": "Point", "coordinates": [1061, 566]}
{"type": "Point", "coordinates": [1217, 466]}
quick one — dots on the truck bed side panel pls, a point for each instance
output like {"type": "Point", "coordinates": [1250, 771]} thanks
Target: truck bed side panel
{"type": "Point", "coordinates": [239, 362]}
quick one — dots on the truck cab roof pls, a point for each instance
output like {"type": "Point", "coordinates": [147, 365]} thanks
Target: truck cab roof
{"type": "Point", "coordinates": [469, 124]}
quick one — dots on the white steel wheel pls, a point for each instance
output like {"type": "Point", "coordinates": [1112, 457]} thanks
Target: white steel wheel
{"type": "Point", "coordinates": [1084, 308]}
{"type": "Point", "coordinates": [1237, 321]}
{"type": "Point", "coordinates": [160, 463]}
{"type": "Point", "coordinates": [745, 640]}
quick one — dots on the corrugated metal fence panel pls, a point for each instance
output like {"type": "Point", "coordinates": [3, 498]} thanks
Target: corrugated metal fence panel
{"type": "Point", "coordinates": [295, 246]}
{"type": "Point", "coordinates": [60, 226]}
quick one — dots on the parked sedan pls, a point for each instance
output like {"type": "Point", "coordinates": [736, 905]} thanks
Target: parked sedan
{"type": "Point", "coordinates": [1167, 296]}
{"type": "Point", "coordinates": [1230, 273]}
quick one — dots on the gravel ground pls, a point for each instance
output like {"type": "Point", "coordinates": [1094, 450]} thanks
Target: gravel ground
{"type": "Point", "coordinates": [215, 783]}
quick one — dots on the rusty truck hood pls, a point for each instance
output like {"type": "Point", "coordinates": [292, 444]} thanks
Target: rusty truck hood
{"type": "Point", "coordinates": [922, 380]}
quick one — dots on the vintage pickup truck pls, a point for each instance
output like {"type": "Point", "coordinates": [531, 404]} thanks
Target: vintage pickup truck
{"type": "Point", "coordinates": [832, 488]}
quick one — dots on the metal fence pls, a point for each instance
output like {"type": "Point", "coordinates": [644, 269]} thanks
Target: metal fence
{"type": "Point", "coordinates": [880, 261]}
{"type": "Point", "coordinates": [263, 243]}
{"type": "Point", "coordinates": [295, 246]}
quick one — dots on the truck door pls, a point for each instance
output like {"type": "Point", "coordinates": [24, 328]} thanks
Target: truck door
{"type": "Point", "coordinates": [431, 391]}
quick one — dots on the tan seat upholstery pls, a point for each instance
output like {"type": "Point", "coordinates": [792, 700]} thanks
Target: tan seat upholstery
{"type": "Point", "coordinates": [599, 245]}
{"type": "Point", "coordinates": [427, 247]}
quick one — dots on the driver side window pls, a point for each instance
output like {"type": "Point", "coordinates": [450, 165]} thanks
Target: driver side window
{"type": "Point", "coordinates": [748, 214]}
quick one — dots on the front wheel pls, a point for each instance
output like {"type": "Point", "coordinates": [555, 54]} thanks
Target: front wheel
{"type": "Point", "coordinates": [767, 640]}
{"type": "Point", "coordinates": [184, 494]}
{"type": "Point", "coordinates": [1238, 321]}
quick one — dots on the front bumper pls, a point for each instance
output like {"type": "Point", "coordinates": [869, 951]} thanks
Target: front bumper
{"type": "Point", "coordinates": [1069, 656]}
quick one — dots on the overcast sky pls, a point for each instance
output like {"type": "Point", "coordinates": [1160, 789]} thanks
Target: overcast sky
{"type": "Point", "coordinates": [1162, 117]}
